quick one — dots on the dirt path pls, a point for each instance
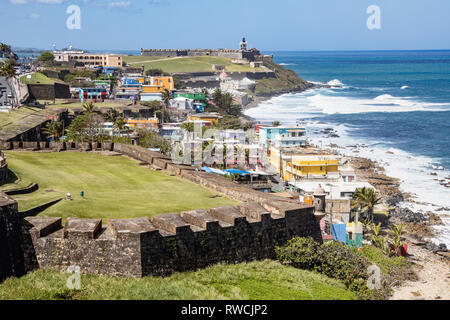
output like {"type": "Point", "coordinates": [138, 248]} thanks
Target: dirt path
{"type": "Point", "coordinates": [434, 277]}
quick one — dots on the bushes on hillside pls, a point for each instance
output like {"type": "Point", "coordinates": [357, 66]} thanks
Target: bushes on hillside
{"type": "Point", "coordinates": [333, 259]}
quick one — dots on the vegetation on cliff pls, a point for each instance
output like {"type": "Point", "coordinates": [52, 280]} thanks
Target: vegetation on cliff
{"type": "Point", "coordinates": [286, 81]}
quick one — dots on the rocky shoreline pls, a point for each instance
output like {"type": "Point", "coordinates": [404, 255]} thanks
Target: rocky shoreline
{"type": "Point", "coordinates": [275, 93]}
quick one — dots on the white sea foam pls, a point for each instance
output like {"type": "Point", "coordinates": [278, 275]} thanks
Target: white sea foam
{"type": "Point", "coordinates": [413, 171]}
{"type": "Point", "coordinates": [331, 104]}
{"type": "Point", "coordinates": [287, 64]}
{"type": "Point", "coordinates": [335, 82]}
{"type": "Point", "coordinates": [404, 87]}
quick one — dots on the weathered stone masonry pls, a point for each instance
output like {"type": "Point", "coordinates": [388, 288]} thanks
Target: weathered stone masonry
{"type": "Point", "coordinates": [3, 168]}
{"type": "Point", "coordinates": [11, 256]}
{"type": "Point", "coordinates": [164, 244]}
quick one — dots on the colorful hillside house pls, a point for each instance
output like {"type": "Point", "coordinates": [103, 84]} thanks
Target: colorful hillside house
{"type": "Point", "coordinates": [354, 234]}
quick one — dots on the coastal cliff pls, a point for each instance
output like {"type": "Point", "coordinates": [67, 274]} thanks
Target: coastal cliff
{"type": "Point", "coordinates": [286, 81]}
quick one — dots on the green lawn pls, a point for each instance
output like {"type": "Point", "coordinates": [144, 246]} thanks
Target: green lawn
{"type": "Point", "coordinates": [187, 64]}
{"type": "Point", "coordinates": [14, 115]}
{"type": "Point", "coordinates": [17, 121]}
{"type": "Point", "coordinates": [78, 105]}
{"type": "Point", "coordinates": [38, 78]}
{"type": "Point", "coordinates": [115, 186]}
{"type": "Point", "coordinates": [263, 280]}
{"type": "Point", "coordinates": [136, 60]}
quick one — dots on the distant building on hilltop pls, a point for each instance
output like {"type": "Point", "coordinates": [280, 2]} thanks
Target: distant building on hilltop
{"type": "Point", "coordinates": [242, 54]}
{"type": "Point", "coordinates": [89, 59]}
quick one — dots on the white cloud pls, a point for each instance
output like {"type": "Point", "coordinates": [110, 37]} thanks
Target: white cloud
{"type": "Point", "coordinates": [34, 16]}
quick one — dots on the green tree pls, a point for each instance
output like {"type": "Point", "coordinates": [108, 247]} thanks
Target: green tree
{"type": "Point", "coordinates": [54, 129]}
{"type": "Point", "coordinates": [5, 50]}
{"type": "Point", "coordinates": [7, 70]}
{"type": "Point", "coordinates": [46, 56]}
{"type": "Point", "coordinates": [154, 106]}
{"type": "Point", "coordinates": [226, 101]}
{"type": "Point", "coordinates": [89, 108]}
{"type": "Point", "coordinates": [166, 97]}
{"type": "Point", "coordinates": [217, 96]}
{"type": "Point", "coordinates": [276, 124]}
{"type": "Point", "coordinates": [119, 124]}
{"type": "Point", "coordinates": [188, 126]}
{"type": "Point", "coordinates": [366, 199]}
{"type": "Point", "coordinates": [149, 139]}
{"type": "Point", "coordinates": [111, 115]}
{"type": "Point", "coordinates": [87, 127]}
{"type": "Point", "coordinates": [155, 72]}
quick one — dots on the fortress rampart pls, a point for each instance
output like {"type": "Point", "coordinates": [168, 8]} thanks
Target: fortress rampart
{"type": "Point", "coordinates": [167, 243]}
{"type": "Point", "coordinates": [3, 168]}
{"type": "Point", "coordinates": [250, 55]}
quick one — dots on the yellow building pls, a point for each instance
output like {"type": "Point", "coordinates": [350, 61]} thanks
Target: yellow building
{"type": "Point", "coordinates": [151, 123]}
{"type": "Point", "coordinates": [206, 117]}
{"type": "Point", "coordinates": [158, 84]}
{"type": "Point", "coordinates": [304, 163]}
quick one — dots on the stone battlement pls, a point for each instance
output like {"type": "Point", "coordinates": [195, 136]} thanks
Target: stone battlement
{"type": "Point", "coordinates": [167, 243]}
{"type": "Point", "coordinates": [3, 168]}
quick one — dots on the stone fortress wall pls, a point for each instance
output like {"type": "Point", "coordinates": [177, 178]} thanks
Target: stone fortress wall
{"type": "Point", "coordinates": [3, 168]}
{"type": "Point", "coordinates": [167, 243]}
{"type": "Point", "coordinates": [250, 55]}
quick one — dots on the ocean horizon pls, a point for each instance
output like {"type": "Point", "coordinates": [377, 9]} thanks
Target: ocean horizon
{"type": "Point", "coordinates": [392, 106]}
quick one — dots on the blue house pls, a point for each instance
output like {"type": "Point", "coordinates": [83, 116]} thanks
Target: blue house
{"type": "Point", "coordinates": [282, 136]}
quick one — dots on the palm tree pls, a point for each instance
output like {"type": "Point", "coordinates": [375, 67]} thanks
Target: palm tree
{"type": "Point", "coordinates": [54, 129]}
{"type": "Point", "coordinates": [111, 115]}
{"type": "Point", "coordinates": [366, 199]}
{"type": "Point", "coordinates": [89, 108]}
{"type": "Point", "coordinates": [119, 124]}
{"type": "Point", "coordinates": [166, 97]}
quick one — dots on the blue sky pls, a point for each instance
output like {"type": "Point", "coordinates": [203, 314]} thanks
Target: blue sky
{"type": "Point", "coordinates": [267, 24]}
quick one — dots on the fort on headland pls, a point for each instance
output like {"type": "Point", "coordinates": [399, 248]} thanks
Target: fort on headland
{"type": "Point", "coordinates": [242, 54]}
{"type": "Point", "coordinates": [167, 243]}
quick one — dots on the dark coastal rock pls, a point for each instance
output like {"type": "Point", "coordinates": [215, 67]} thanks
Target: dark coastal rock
{"type": "Point", "coordinates": [395, 199]}
{"type": "Point", "coordinates": [442, 247]}
{"type": "Point", "coordinates": [434, 219]}
{"type": "Point", "coordinates": [407, 215]}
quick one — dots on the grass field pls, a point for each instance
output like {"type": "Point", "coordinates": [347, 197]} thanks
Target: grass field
{"type": "Point", "coordinates": [115, 186]}
{"type": "Point", "coordinates": [17, 121]}
{"type": "Point", "coordinates": [14, 115]}
{"type": "Point", "coordinates": [38, 78]}
{"type": "Point", "coordinates": [78, 105]}
{"type": "Point", "coordinates": [263, 280]}
{"type": "Point", "coordinates": [187, 64]}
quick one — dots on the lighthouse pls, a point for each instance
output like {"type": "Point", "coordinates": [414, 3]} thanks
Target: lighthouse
{"type": "Point", "coordinates": [243, 44]}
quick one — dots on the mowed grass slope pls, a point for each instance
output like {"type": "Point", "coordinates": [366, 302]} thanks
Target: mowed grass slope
{"type": "Point", "coordinates": [114, 186]}
{"type": "Point", "coordinates": [262, 280]}
{"type": "Point", "coordinates": [187, 64]}
{"type": "Point", "coordinates": [38, 78]}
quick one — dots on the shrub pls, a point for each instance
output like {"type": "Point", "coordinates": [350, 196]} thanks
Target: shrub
{"type": "Point", "coordinates": [333, 259]}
